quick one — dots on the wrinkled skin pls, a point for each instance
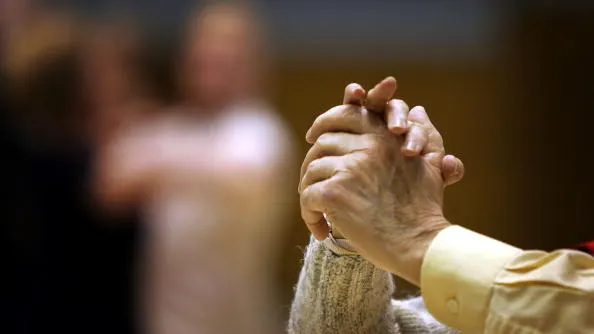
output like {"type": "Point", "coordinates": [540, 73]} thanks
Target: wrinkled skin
{"type": "Point", "coordinates": [382, 191]}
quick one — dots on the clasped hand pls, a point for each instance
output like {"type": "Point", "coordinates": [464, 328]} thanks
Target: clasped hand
{"type": "Point", "coordinates": [377, 169]}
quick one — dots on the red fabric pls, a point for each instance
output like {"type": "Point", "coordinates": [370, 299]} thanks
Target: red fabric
{"type": "Point", "coordinates": [586, 247]}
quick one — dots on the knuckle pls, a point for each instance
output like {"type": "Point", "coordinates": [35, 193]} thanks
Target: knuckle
{"type": "Point", "coordinates": [418, 115]}
{"type": "Point", "coordinates": [353, 170]}
{"type": "Point", "coordinates": [330, 194]}
{"type": "Point", "coordinates": [437, 135]}
{"type": "Point", "coordinates": [352, 86]}
{"type": "Point", "coordinates": [419, 109]}
{"type": "Point", "coordinates": [304, 200]}
{"type": "Point", "coordinates": [399, 104]}
{"type": "Point", "coordinates": [325, 139]}
{"type": "Point", "coordinates": [362, 160]}
{"type": "Point", "coordinates": [349, 165]}
{"type": "Point", "coordinates": [419, 127]}
{"type": "Point", "coordinates": [312, 166]}
{"type": "Point", "coordinates": [434, 135]}
{"type": "Point", "coordinates": [343, 166]}
{"type": "Point", "coordinates": [426, 130]}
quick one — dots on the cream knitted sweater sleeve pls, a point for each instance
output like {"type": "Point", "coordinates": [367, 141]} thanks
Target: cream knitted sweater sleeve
{"type": "Point", "coordinates": [340, 292]}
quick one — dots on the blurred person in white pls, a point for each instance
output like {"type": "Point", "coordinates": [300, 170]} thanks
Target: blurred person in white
{"type": "Point", "coordinates": [212, 174]}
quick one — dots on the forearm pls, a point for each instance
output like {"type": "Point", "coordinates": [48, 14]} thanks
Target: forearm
{"type": "Point", "coordinates": [478, 284]}
{"type": "Point", "coordinates": [340, 293]}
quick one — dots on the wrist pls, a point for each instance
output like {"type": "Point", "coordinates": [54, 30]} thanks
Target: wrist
{"type": "Point", "coordinates": [411, 261]}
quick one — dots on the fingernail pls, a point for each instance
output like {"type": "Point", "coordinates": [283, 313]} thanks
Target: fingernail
{"type": "Point", "coordinates": [400, 123]}
{"type": "Point", "coordinates": [412, 147]}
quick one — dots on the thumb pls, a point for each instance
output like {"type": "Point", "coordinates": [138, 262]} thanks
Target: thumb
{"type": "Point", "coordinates": [378, 96]}
{"type": "Point", "coordinates": [452, 170]}
{"type": "Point", "coordinates": [354, 94]}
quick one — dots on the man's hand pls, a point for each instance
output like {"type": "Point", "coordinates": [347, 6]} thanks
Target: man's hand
{"type": "Point", "coordinates": [370, 185]}
{"type": "Point", "coordinates": [396, 115]}
{"type": "Point", "coordinates": [398, 121]}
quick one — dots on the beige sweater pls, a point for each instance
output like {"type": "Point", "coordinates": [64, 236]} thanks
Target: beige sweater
{"type": "Point", "coordinates": [340, 292]}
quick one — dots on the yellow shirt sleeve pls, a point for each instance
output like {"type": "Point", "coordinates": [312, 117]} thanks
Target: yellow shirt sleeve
{"type": "Point", "coordinates": [479, 285]}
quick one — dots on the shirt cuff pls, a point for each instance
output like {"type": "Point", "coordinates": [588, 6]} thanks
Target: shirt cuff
{"type": "Point", "coordinates": [458, 274]}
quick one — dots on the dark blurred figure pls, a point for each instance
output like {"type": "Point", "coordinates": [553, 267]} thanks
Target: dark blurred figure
{"type": "Point", "coordinates": [119, 84]}
{"type": "Point", "coordinates": [70, 266]}
{"type": "Point", "coordinates": [212, 177]}
{"type": "Point", "coordinates": [14, 15]}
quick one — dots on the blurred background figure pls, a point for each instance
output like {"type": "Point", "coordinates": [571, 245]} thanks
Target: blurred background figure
{"type": "Point", "coordinates": [14, 15]}
{"type": "Point", "coordinates": [70, 263]}
{"type": "Point", "coordinates": [213, 175]}
{"type": "Point", "coordinates": [120, 83]}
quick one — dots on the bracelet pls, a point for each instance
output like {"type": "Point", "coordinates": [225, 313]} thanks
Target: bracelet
{"type": "Point", "coordinates": [340, 243]}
